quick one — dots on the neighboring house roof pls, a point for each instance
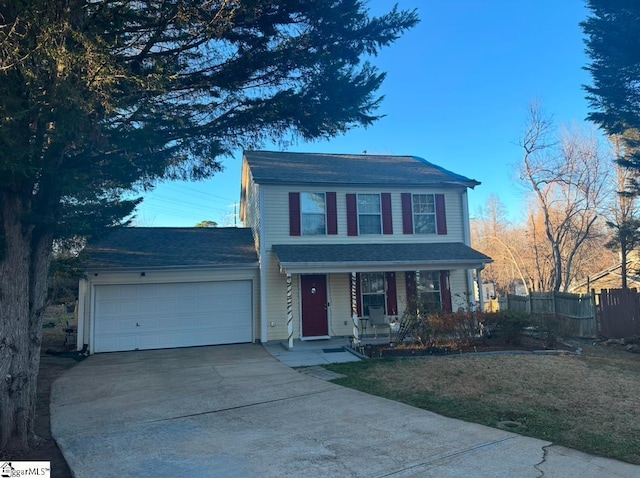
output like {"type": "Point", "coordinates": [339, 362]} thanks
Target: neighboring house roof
{"type": "Point", "coordinates": [400, 256]}
{"type": "Point", "coordinates": [611, 274]}
{"type": "Point", "coordinates": [363, 169]}
{"type": "Point", "coordinates": [163, 247]}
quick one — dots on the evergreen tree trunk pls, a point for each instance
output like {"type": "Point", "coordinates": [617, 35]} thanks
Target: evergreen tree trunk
{"type": "Point", "coordinates": [24, 265]}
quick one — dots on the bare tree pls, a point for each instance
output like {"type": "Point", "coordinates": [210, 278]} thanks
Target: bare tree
{"type": "Point", "coordinates": [493, 234]}
{"type": "Point", "coordinates": [568, 175]}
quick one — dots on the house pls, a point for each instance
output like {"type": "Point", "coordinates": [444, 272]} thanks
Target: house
{"type": "Point", "coordinates": [611, 277]}
{"type": "Point", "coordinates": [327, 236]}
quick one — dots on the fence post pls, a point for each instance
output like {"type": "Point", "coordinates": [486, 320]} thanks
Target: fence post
{"type": "Point", "coordinates": [553, 303]}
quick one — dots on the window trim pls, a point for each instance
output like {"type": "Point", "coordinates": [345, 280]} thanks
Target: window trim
{"type": "Point", "coordinates": [438, 278]}
{"type": "Point", "coordinates": [302, 213]}
{"type": "Point", "coordinates": [359, 214]}
{"type": "Point", "coordinates": [414, 214]}
{"type": "Point", "coordinates": [383, 293]}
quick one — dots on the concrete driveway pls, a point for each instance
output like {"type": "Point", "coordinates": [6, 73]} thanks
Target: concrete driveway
{"type": "Point", "coordinates": [235, 411]}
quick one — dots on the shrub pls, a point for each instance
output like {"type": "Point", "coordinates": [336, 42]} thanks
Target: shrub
{"type": "Point", "coordinates": [504, 325]}
{"type": "Point", "coordinates": [550, 328]}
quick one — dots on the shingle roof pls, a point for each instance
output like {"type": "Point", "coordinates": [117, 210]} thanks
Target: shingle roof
{"type": "Point", "coordinates": [284, 167]}
{"type": "Point", "coordinates": [136, 247]}
{"type": "Point", "coordinates": [374, 254]}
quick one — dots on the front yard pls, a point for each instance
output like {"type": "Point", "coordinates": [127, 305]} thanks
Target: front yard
{"type": "Point", "coordinates": [590, 402]}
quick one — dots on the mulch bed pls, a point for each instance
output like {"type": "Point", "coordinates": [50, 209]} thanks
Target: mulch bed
{"type": "Point", "coordinates": [526, 344]}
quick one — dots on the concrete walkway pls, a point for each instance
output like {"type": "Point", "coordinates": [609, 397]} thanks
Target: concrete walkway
{"type": "Point", "coordinates": [236, 411]}
{"type": "Point", "coordinates": [314, 352]}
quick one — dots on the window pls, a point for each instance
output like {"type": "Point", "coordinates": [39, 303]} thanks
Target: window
{"type": "Point", "coordinates": [428, 290]}
{"type": "Point", "coordinates": [372, 289]}
{"type": "Point", "coordinates": [313, 213]}
{"type": "Point", "coordinates": [424, 214]}
{"type": "Point", "coordinates": [369, 214]}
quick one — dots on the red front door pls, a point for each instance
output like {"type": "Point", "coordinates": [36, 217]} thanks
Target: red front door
{"type": "Point", "coordinates": [314, 305]}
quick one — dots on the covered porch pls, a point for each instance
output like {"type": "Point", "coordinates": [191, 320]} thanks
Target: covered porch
{"type": "Point", "coordinates": [336, 285]}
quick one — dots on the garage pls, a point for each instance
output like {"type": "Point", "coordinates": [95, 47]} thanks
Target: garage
{"type": "Point", "coordinates": [155, 316]}
{"type": "Point", "coordinates": [156, 288]}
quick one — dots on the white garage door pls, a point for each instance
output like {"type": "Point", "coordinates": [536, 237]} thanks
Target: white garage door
{"type": "Point", "coordinates": [156, 316]}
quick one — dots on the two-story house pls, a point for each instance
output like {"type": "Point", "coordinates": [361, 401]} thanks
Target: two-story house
{"type": "Point", "coordinates": [338, 233]}
{"type": "Point", "coordinates": [327, 236]}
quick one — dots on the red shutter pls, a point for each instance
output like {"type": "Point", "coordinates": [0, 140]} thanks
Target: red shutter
{"type": "Point", "coordinates": [358, 296]}
{"type": "Point", "coordinates": [332, 214]}
{"type": "Point", "coordinates": [407, 214]}
{"type": "Point", "coordinates": [352, 215]}
{"type": "Point", "coordinates": [445, 291]}
{"type": "Point", "coordinates": [410, 284]}
{"type": "Point", "coordinates": [441, 215]}
{"type": "Point", "coordinates": [387, 220]}
{"type": "Point", "coordinates": [392, 297]}
{"type": "Point", "coordinates": [294, 214]}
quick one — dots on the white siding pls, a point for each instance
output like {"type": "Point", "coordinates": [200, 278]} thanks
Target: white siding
{"type": "Point", "coordinates": [340, 305]}
{"type": "Point", "coordinates": [276, 215]}
{"type": "Point", "coordinates": [250, 207]}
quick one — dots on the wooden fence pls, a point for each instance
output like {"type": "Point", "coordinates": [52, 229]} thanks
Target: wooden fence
{"type": "Point", "coordinates": [579, 310]}
{"type": "Point", "coordinates": [618, 312]}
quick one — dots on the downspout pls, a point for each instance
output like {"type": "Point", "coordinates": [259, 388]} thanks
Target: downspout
{"type": "Point", "coordinates": [263, 268]}
{"type": "Point", "coordinates": [82, 299]}
{"type": "Point", "coordinates": [480, 291]}
{"type": "Point", "coordinates": [466, 237]}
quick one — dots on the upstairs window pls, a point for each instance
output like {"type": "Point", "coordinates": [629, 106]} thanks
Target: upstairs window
{"type": "Point", "coordinates": [313, 214]}
{"type": "Point", "coordinates": [424, 214]}
{"type": "Point", "coordinates": [369, 214]}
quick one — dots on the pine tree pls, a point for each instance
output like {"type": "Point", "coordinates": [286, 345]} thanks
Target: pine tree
{"type": "Point", "coordinates": [99, 98]}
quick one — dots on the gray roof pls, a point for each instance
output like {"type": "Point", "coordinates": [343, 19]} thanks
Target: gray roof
{"type": "Point", "coordinates": [163, 247]}
{"type": "Point", "coordinates": [400, 256]}
{"type": "Point", "coordinates": [284, 167]}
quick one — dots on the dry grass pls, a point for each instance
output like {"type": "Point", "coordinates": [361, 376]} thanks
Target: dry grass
{"type": "Point", "coordinates": [589, 402]}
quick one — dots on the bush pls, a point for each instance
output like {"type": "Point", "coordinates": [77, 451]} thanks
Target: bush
{"type": "Point", "coordinates": [437, 327]}
{"type": "Point", "coordinates": [550, 328]}
{"type": "Point", "coordinates": [504, 325]}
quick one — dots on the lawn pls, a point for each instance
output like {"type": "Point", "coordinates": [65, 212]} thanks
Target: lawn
{"type": "Point", "coordinates": [590, 402]}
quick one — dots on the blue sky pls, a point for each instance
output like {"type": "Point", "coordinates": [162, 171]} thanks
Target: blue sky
{"type": "Point", "coordinates": [456, 94]}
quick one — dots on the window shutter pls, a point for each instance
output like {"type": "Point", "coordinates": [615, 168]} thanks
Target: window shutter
{"type": "Point", "coordinates": [387, 219]}
{"type": "Point", "coordinates": [358, 295]}
{"type": "Point", "coordinates": [445, 291]}
{"type": "Point", "coordinates": [332, 213]}
{"type": "Point", "coordinates": [352, 215]}
{"type": "Point", "coordinates": [407, 214]}
{"type": "Point", "coordinates": [410, 283]}
{"type": "Point", "coordinates": [392, 298]}
{"type": "Point", "coordinates": [294, 214]}
{"type": "Point", "coordinates": [441, 215]}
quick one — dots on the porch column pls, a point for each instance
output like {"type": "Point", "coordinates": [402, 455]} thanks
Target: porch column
{"type": "Point", "coordinates": [480, 291]}
{"type": "Point", "coordinates": [418, 293]}
{"type": "Point", "coordinates": [354, 310]}
{"type": "Point", "coordinates": [289, 313]}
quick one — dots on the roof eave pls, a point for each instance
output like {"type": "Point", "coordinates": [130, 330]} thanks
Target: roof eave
{"type": "Point", "coordinates": [443, 184]}
{"type": "Point", "coordinates": [380, 266]}
{"type": "Point", "coordinates": [141, 268]}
